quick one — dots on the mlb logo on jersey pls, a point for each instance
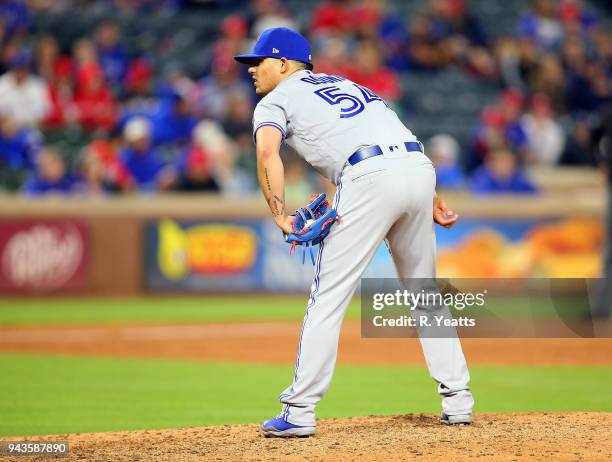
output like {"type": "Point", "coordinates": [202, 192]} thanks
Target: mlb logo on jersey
{"type": "Point", "coordinates": [275, 50]}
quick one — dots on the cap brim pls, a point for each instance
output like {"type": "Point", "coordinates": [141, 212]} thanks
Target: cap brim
{"type": "Point", "coordinates": [253, 58]}
{"type": "Point", "coordinates": [248, 58]}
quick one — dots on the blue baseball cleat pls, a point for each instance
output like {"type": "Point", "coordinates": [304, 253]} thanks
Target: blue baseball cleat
{"type": "Point", "coordinates": [279, 427]}
{"type": "Point", "coordinates": [460, 419]}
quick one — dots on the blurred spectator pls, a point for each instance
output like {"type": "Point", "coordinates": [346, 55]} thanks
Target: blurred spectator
{"type": "Point", "coordinates": [516, 61]}
{"type": "Point", "coordinates": [138, 82]}
{"type": "Point", "coordinates": [501, 173]}
{"type": "Point", "coordinates": [602, 42]}
{"type": "Point", "coordinates": [51, 175]}
{"type": "Point", "coordinates": [18, 146]}
{"type": "Point", "coordinates": [451, 19]}
{"type": "Point", "coordinates": [112, 56]}
{"type": "Point", "coordinates": [141, 160]}
{"type": "Point", "coordinates": [47, 57]}
{"type": "Point", "coordinates": [393, 37]}
{"type": "Point", "coordinates": [588, 86]}
{"type": "Point", "coordinates": [579, 146]}
{"type": "Point", "coordinates": [511, 105]}
{"type": "Point", "coordinates": [57, 71]}
{"type": "Point", "coordinates": [234, 31]}
{"type": "Point", "coordinates": [195, 173]}
{"type": "Point", "coordinates": [333, 59]}
{"type": "Point", "coordinates": [488, 135]}
{"type": "Point", "coordinates": [544, 135]}
{"type": "Point", "coordinates": [63, 108]}
{"type": "Point", "coordinates": [232, 179]}
{"type": "Point", "coordinates": [424, 49]}
{"type": "Point", "coordinates": [195, 168]}
{"type": "Point", "coordinates": [549, 79]}
{"type": "Point", "coordinates": [575, 17]}
{"type": "Point", "coordinates": [500, 125]}
{"type": "Point", "coordinates": [94, 100]}
{"type": "Point", "coordinates": [366, 19]}
{"type": "Point", "coordinates": [529, 60]}
{"type": "Point", "coordinates": [588, 91]}
{"type": "Point", "coordinates": [23, 95]}
{"type": "Point", "coordinates": [332, 17]}
{"type": "Point", "coordinates": [104, 153]}
{"type": "Point", "coordinates": [461, 34]}
{"type": "Point", "coordinates": [173, 120]}
{"type": "Point", "coordinates": [217, 88]}
{"type": "Point", "coordinates": [542, 25]}
{"type": "Point", "coordinates": [15, 17]}
{"type": "Point", "coordinates": [176, 80]}
{"type": "Point", "coordinates": [447, 33]}
{"type": "Point", "coordinates": [478, 61]}
{"type": "Point", "coordinates": [574, 53]}
{"type": "Point", "coordinates": [371, 73]}
{"type": "Point", "coordinates": [237, 118]}
{"type": "Point", "coordinates": [268, 14]}
{"type": "Point", "coordinates": [237, 123]}
{"type": "Point", "coordinates": [443, 151]}
{"type": "Point", "coordinates": [297, 187]}
{"type": "Point", "coordinates": [84, 53]}
{"type": "Point", "coordinates": [92, 176]}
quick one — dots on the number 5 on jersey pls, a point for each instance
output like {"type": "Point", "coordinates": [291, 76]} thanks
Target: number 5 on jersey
{"type": "Point", "coordinates": [333, 95]}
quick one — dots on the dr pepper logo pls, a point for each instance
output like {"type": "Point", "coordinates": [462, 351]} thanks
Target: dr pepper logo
{"type": "Point", "coordinates": [209, 249]}
{"type": "Point", "coordinates": [41, 256]}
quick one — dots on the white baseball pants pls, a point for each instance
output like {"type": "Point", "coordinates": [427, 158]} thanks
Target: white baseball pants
{"type": "Point", "coordinates": [388, 196]}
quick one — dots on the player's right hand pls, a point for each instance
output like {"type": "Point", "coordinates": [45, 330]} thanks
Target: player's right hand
{"type": "Point", "coordinates": [285, 223]}
{"type": "Point", "coordinates": [442, 214]}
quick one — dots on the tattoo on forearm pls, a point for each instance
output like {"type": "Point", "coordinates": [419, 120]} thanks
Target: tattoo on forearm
{"type": "Point", "coordinates": [267, 179]}
{"type": "Point", "coordinates": [282, 207]}
{"type": "Point", "coordinates": [274, 203]}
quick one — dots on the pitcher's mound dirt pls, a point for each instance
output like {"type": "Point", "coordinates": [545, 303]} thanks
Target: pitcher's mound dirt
{"type": "Point", "coordinates": [505, 437]}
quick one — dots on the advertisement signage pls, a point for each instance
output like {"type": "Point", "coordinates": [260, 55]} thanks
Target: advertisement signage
{"type": "Point", "coordinates": [38, 256]}
{"type": "Point", "coordinates": [220, 256]}
{"type": "Point", "coordinates": [251, 256]}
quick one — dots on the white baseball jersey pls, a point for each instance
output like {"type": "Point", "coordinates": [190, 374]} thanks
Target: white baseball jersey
{"type": "Point", "coordinates": [326, 118]}
{"type": "Point", "coordinates": [386, 197]}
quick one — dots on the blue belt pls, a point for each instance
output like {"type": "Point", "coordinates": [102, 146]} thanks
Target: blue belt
{"type": "Point", "coordinates": [371, 151]}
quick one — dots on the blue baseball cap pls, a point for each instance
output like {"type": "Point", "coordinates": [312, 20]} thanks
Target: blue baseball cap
{"type": "Point", "coordinates": [279, 42]}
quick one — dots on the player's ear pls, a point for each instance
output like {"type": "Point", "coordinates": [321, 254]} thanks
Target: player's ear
{"type": "Point", "coordinates": [284, 65]}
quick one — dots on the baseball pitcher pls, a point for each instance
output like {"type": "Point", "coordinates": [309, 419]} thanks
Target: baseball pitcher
{"type": "Point", "coordinates": [385, 189]}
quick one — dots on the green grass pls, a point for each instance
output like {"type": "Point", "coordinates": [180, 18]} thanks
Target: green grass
{"type": "Point", "coordinates": [167, 310]}
{"type": "Point", "coordinates": [54, 394]}
{"type": "Point", "coordinates": [206, 308]}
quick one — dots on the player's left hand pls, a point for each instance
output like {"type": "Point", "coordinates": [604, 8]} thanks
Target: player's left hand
{"type": "Point", "coordinates": [443, 215]}
{"type": "Point", "coordinates": [285, 223]}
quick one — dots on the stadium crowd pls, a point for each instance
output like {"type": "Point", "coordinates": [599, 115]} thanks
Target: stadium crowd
{"type": "Point", "coordinates": [150, 131]}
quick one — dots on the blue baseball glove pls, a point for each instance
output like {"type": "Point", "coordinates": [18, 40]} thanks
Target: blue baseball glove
{"type": "Point", "coordinates": [312, 224]}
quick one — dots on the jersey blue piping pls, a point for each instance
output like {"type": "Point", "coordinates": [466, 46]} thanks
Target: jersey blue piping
{"type": "Point", "coordinates": [271, 124]}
